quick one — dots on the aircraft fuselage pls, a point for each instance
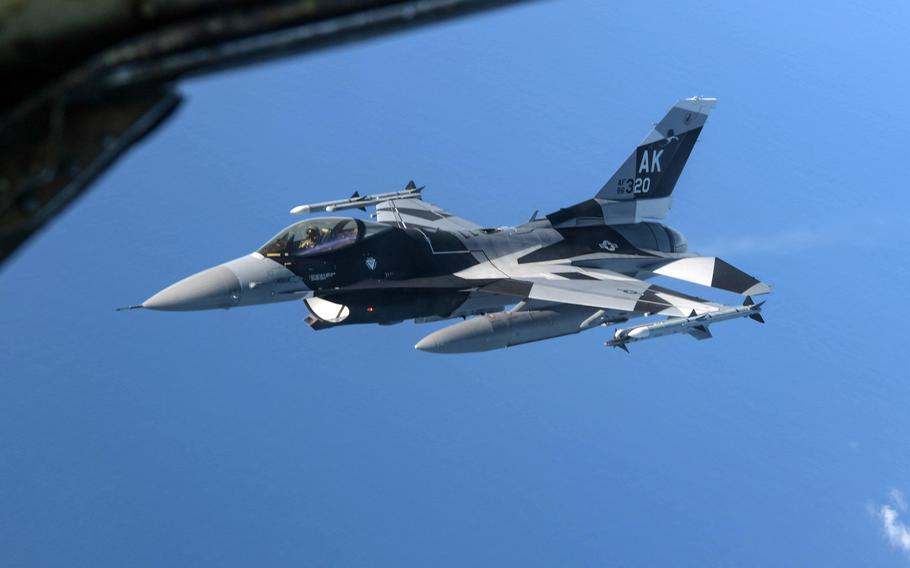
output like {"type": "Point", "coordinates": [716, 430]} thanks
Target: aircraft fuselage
{"type": "Point", "coordinates": [382, 274]}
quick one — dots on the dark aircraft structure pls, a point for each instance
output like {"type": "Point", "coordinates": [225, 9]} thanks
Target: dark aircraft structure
{"type": "Point", "coordinates": [88, 80]}
{"type": "Point", "coordinates": [575, 269]}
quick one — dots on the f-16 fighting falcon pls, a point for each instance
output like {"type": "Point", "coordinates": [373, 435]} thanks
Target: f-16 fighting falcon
{"type": "Point", "coordinates": [575, 269]}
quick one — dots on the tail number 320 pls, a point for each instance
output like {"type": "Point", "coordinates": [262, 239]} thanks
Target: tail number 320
{"type": "Point", "coordinates": [636, 185]}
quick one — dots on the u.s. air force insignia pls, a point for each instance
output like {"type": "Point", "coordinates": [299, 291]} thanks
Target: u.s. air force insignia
{"type": "Point", "coordinates": [608, 246]}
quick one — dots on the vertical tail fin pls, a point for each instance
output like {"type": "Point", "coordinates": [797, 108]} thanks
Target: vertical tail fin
{"type": "Point", "coordinates": [653, 168]}
{"type": "Point", "coordinates": [642, 185]}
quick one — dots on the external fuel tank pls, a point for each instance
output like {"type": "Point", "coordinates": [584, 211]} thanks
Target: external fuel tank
{"type": "Point", "coordinates": [506, 329]}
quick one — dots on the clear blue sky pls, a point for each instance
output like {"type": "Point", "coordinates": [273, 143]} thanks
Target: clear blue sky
{"type": "Point", "coordinates": [241, 438]}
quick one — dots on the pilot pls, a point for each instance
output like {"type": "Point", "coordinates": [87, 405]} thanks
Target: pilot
{"type": "Point", "coordinates": [311, 239]}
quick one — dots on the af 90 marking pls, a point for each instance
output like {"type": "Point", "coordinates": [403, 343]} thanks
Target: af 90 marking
{"type": "Point", "coordinates": [636, 185]}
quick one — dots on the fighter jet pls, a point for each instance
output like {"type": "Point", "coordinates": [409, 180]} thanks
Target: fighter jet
{"type": "Point", "coordinates": [578, 268]}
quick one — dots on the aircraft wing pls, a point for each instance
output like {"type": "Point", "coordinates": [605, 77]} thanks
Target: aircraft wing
{"type": "Point", "coordinates": [415, 212]}
{"type": "Point", "coordinates": [598, 288]}
{"type": "Point", "coordinates": [405, 208]}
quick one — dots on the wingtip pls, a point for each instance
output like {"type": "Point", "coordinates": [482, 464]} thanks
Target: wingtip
{"type": "Point", "coordinates": [757, 289]}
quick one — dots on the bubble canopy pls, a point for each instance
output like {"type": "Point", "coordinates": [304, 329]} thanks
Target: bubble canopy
{"type": "Point", "coordinates": [315, 236]}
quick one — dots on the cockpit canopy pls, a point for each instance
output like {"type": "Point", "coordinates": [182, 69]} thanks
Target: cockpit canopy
{"type": "Point", "coordinates": [315, 236]}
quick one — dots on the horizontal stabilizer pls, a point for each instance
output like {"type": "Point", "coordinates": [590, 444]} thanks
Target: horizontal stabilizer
{"type": "Point", "coordinates": [714, 272]}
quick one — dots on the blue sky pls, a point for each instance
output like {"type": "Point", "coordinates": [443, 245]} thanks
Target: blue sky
{"type": "Point", "coordinates": [241, 437]}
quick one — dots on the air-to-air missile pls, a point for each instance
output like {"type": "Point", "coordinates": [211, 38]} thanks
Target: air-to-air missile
{"type": "Point", "coordinates": [694, 325]}
{"type": "Point", "coordinates": [357, 201]}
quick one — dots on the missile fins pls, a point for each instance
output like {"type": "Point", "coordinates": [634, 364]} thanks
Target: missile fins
{"type": "Point", "coordinates": [695, 325]}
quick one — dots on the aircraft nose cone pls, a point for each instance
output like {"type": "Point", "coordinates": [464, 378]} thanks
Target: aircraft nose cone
{"type": "Point", "coordinates": [213, 288]}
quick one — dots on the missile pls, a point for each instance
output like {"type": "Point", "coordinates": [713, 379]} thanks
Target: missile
{"type": "Point", "coordinates": [695, 325]}
{"type": "Point", "coordinates": [357, 201]}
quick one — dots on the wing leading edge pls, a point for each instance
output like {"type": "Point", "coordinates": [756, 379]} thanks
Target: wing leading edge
{"type": "Point", "coordinates": [415, 212]}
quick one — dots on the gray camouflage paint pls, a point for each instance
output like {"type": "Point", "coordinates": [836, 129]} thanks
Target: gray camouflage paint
{"type": "Point", "coordinates": [575, 269]}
